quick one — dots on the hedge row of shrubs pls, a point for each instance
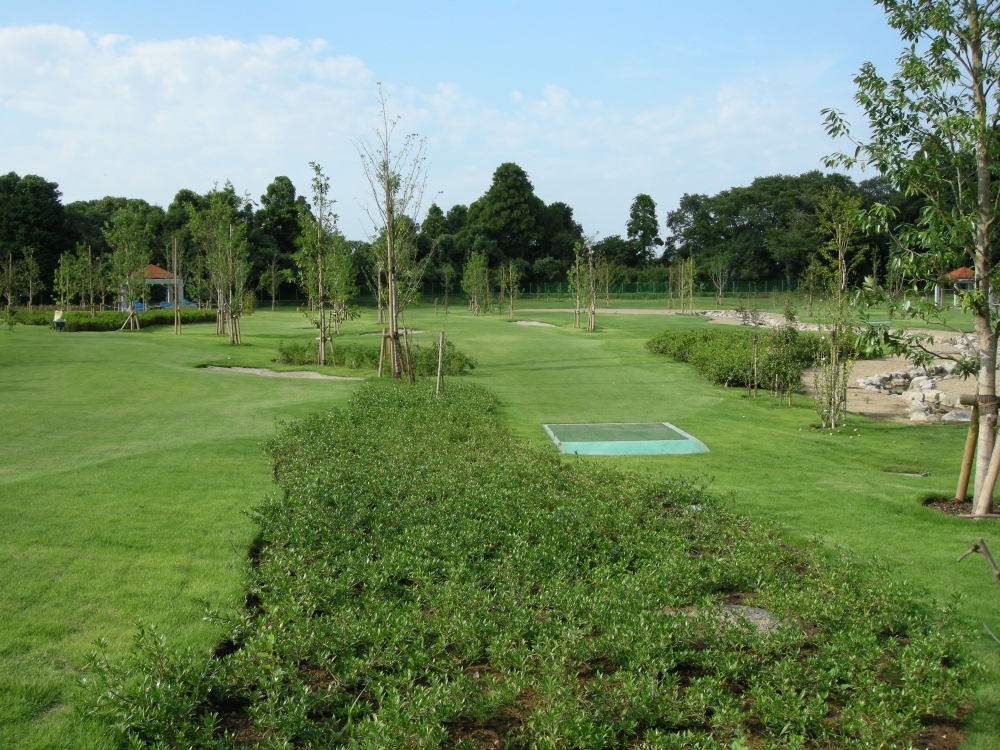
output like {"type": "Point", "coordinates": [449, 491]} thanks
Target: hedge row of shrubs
{"type": "Point", "coordinates": [111, 320]}
{"type": "Point", "coordinates": [358, 357]}
{"type": "Point", "coordinates": [425, 580]}
{"type": "Point", "coordinates": [725, 355]}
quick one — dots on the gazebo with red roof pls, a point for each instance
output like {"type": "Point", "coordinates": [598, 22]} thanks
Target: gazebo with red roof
{"type": "Point", "coordinates": [156, 276]}
{"type": "Point", "coordinates": [961, 278]}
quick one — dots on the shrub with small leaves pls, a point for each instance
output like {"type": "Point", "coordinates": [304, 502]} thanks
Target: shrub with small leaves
{"type": "Point", "coordinates": [425, 579]}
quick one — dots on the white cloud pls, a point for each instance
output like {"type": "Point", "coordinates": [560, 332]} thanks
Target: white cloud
{"type": "Point", "coordinates": [112, 115]}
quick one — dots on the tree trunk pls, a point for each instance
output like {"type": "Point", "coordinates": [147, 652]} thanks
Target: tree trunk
{"type": "Point", "coordinates": [985, 334]}
{"type": "Point", "coordinates": [395, 354]}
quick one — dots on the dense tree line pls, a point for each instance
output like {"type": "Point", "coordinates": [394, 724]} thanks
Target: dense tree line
{"type": "Point", "coordinates": [508, 224]}
{"type": "Point", "coordinates": [767, 230]}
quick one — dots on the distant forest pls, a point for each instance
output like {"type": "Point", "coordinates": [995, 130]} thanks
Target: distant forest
{"type": "Point", "coordinates": [765, 231]}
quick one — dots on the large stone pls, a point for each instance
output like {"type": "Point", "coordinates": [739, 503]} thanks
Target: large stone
{"type": "Point", "coordinates": [921, 383]}
{"type": "Point", "coordinates": [923, 415]}
{"type": "Point", "coordinates": [898, 385]}
{"type": "Point", "coordinates": [959, 416]}
{"type": "Point", "coordinates": [933, 397]}
{"type": "Point", "coordinates": [914, 397]}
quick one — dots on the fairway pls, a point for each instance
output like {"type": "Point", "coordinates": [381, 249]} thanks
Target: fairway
{"type": "Point", "coordinates": [623, 439]}
{"type": "Point", "coordinates": [126, 470]}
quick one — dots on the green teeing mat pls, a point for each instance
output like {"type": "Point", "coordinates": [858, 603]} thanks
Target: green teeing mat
{"type": "Point", "coordinates": [623, 439]}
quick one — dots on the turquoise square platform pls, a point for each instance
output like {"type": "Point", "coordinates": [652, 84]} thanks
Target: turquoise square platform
{"type": "Point", "coordinates": [624, 439]}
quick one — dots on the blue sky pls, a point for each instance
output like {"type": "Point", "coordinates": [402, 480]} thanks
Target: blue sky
{"type": "Point", "coordinates": [597, 101]}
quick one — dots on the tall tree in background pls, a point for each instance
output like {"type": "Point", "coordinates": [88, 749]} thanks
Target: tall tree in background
{"type": "Point", "coordinates": [396, 180]}
{"type": "Point", "coordinates": [509, 212]}
{"type": "Point", "coordinates": [31, 215]}
{"type": "Point", "coordinates": [128, 236]}
{"type": "Point", "coordinates": [934, 133]}
{"type": "Point", "coordinates": [643, 227]}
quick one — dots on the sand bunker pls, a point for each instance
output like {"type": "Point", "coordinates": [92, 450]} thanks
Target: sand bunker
{"type": "Point", "coordinates": [534, 323]}
{"type": "Point", "coordinates": [264, 372]}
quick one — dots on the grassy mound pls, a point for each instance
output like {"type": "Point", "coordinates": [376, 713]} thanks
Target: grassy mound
{"type": "Point", "coordinates": [428, 581]}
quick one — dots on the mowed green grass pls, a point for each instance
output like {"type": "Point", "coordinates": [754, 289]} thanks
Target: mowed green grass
{"type": "Point", "coordinates": [125, 470]}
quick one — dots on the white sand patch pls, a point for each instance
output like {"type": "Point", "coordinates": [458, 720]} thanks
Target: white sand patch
{"type": "Point", "coordinates": [265, 373]}
{"type": "Point", "coordinates": [534, 323]}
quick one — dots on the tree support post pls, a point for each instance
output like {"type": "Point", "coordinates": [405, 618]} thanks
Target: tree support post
{"type": "Point", "coordinates": [381, 353]}
{"type": "Point", "coordinates": [962, 493]}
{"type": "Point", "coordinates": [437, 389]}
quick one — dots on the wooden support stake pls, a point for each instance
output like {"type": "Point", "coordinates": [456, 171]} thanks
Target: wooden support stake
{"type": "Point", "coordinates": [437, 389]}
{"type": "Point", "coordinates": [409, 359]}
{"type": "Point", "coordinates": [984, 503]}
{"type": "Point", "coordinates": [962, 493]}
{"type": "Point", "coordinates": [381, 354]}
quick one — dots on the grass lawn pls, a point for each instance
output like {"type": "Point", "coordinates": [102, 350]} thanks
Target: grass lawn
{"type": "Point", "coordinates": [125, 470]}
{"type": "Point", "coordinates": [954, 319]}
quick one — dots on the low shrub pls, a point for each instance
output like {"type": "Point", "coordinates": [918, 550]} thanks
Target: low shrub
{"type": "Point", "coordinates": [427, 580]}
{"type": "Point", "coordinates": [296, 353]}
{"type": "Point", "coordinates": [725, 355]}
{"type": "Point", "coordinates": [33, 318]}
{"type": "Point", "coordinates": [425, 360]}
{"type": "Point", "coordinates": [358, 357]}
{"type": "Point", "coordinates": [112, 320]}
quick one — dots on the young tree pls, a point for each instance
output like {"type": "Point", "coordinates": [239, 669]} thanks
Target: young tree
{"type": "Point", "coordinates": [590, 289]}
{"type": "Point", "coordinates": [934, 133]}
{"type": "Point", "coordinates": [222, 235]}
{"type": "Point", "coordinates": [176, 258]}
{"type": "Point", "coordinates": [474, 281]}
{"type": "Point", "coordinates": [64, 282]}
{"type": "Point", "coordinates": [87, 271]}
{"type": "Point", "coordinates": [396, 180]}
{"type": "Point", "coordinates": [719, 268]}
{"type": "Point", "coordinates": [574, 279]}
{"type": "Point", "coordinates": [839, 224]}
{"type": "Point", "coordinates": [340, 286]}
{"type": "Point", "coordinates": [31, 276]}
{"type": "Point", "coordinates": [9, 279]}
{"type": "Point", "coordinates": [602, 270]}
{"type": "Point", "coordinates": [510, 286]}
{"type": "Point", "coordinates": [315, 247]}
{"type": "Point", "coordinates": [127, 234]}
{"type": "Point", "coordinates": [272, 278]}
{"type": "Point", "coordinates": [812, 280]}
{"type": "Point", "coordinates": [447, 274]}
